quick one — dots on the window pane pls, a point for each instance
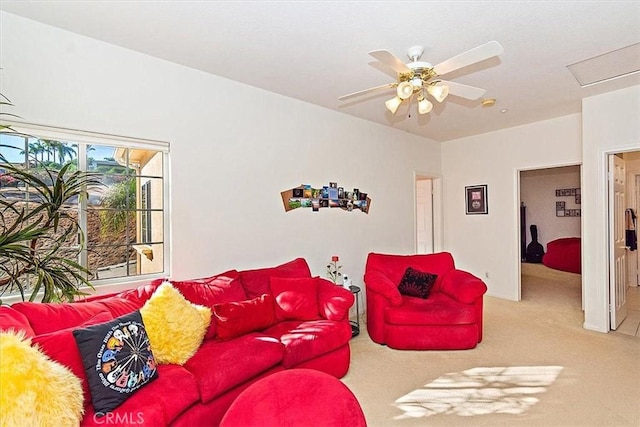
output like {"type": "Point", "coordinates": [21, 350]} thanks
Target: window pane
{"type": "Point", "coordinates": [108, 160]}
{"type": "Point", "coordinates": [123, 217]}
{"type": "Point", "coordinates": [12, 148]}
{"type": "Point", "coordinates": [110, 227]}
{"type": "Point", "coordinates": [107, 262]}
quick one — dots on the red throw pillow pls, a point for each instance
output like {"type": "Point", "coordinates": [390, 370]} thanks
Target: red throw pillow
{"type": "Point", "coordinates": [296, 298]}
{"type": "Point", "coordinates": [256, 282]}
{"type": "Point", "coordinates": [237, 318]}
{"type": "Point", "coordinates": [212, 290]}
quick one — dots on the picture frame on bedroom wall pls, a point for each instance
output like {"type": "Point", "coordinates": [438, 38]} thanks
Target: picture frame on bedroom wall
{"type": "Point", "coordinates": [476, 200]}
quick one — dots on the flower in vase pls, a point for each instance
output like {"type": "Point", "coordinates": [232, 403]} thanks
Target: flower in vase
{"type": "Point", "coordinates": [333, 269]}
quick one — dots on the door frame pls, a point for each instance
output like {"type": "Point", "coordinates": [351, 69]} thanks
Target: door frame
{"type": "Point", "coordinates": [518, 255]}
{"type": "Point", "coordinates": [436, 180]}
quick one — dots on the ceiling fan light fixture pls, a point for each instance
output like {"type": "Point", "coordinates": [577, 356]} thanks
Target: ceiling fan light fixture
{"type": "Point", "coordinates": [424, 106]}
{"type": "Point", "coordinates": [439, 92]}
{"type": "Point", "coordinates": [405, 90]}
{"type": "Point", "coordinates": [393, 104]}
{"type": "Point", "coordinates": [416, 82]}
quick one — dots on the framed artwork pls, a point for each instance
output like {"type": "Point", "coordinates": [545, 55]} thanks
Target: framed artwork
{"type": "Point", "coordinates": [476, 199]}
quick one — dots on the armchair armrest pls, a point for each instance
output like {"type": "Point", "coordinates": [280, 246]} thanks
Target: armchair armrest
{"type": "Point", "coordinates": [381, 284]}
{"type": "Point", "coordinates": [334, 301]}
{"type": "Point", "coordinates": [463, 286]}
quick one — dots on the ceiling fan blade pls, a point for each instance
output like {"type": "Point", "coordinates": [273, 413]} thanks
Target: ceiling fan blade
{"type": "Point", "coordinates": [477, 54]}
{"type": "Point", "coordinates": [362, 92]}
{"type": "Point", "coordinates": [390, 60]}
{"type": "Point", "coordinates": [463, 91]}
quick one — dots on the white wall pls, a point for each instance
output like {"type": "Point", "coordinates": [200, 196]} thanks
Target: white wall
{"type": "Point", "coordinates": [490, 243]}
{"type": "Point", "coordinates": [234, 148]}
{"type": "Point", "coordinates": [610, 124]}
{"type": "Point", "coordinates": [538, 193]}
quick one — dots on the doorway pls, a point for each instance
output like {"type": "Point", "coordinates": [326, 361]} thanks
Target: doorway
{"type": "Point", "coordinates": [624, 206]}
{"type": "Point", "coordinates": [550, 199]}
{"type": "Point", "coordinates": [428, 213]}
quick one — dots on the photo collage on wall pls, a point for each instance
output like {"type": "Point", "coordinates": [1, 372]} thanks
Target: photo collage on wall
{"type": "Point", "coordinates": [561, 207]}
{"type": "Point", "coordinates": [328, 196]}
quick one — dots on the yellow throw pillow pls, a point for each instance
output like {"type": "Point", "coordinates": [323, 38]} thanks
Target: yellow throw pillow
{"type": "Point", "coordinates": [35, 390]}
{"type": "Point", "coordinates": [175, 326]}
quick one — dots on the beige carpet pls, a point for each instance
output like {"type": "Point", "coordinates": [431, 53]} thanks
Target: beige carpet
{"type": "Point", "coordinates": [536, 366]}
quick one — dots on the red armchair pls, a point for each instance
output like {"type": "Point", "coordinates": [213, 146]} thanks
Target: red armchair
{"type": "Point", "coordinates": [449, 319]}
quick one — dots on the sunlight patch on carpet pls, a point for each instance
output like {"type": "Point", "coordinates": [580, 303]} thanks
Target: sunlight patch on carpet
{"type": "Point", "coordinates": [479, 391]}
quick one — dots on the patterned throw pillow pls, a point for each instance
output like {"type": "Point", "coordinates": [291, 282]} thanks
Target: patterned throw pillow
{"type": "Point", "coordinates": [117, 359]}
{"type": "Point", "coordinates": [416, 283]}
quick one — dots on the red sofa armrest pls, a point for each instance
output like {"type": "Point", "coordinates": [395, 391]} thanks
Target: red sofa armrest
{"type": "Point", "coordinates": [334, 301]}
{"type": "Point", "coordinates": [463, 286]}
{"type": "Point", "coordinates": [381, 284]}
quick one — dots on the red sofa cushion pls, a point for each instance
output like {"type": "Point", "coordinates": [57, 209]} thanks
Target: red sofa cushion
{"type": "Point", "coordinates": [334, 301]}
{"type": "Point", "coordinates": [219, 366]}
{"type": "Point", "coordinates": [45, 318]}
{"type": "Point", "coordinates": [463, 286]}
{"type": "Point", "coordinates": [61, 347]}
{"type": "Point", "coordinates": [141, 294]}
{"type": "Point", "coordinates": [119, 306]}
{"type": "Point", "coordinates": [309, 339]}
{"type": "Point", "coordinates": [394, 266]}
{"type": "Point", "coordinates": [296, 298]}
{"type": "Point", "coordinates": [237, 318]}
{"type": "Point", "coordinates": [256, 282]}
{"type": "Point", "coordinates": [12, 319]}
{"type": "Point", "coordinates": [438, 309]}
{"type": "Point", "coordinates": [158, 403]}
{"type": "Point", "coordinates": [212, 290]}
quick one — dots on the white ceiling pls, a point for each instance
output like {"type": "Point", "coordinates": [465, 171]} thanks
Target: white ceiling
{"type": "Point", "coordinates": [316, 51]}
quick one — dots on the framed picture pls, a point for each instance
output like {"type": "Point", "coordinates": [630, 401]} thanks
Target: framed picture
{"type": "Point", "coordinates": [476, 199]}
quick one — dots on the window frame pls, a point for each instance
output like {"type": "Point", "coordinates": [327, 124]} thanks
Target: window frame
{"type": "Point", "coordinates": [84, 138]}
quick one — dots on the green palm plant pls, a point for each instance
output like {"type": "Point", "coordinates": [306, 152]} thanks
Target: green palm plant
{"type": "Point", "coordinates": [38, 247]}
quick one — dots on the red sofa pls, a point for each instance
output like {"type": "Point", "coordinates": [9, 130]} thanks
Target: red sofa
{"type": "Point", "coordinates": [450, 318]}
{"type": "Point", "coordinates": [200, 391]}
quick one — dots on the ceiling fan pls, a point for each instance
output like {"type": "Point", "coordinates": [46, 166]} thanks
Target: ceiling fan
{"type": "Point", "coordinates": [420, 78]}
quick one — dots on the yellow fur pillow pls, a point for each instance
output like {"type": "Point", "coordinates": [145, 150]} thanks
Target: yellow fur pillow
{"type": "Point", "coordinates": [175, 326]}
{"type": "Point", "coordinates": [35, 390]}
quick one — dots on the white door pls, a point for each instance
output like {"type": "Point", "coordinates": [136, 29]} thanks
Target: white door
{"type": "Point", "coordinates": [424, 216]}
{"type": "Point", "coordinates": [635, 256]}
{"type": "Point", "coordinates": [617, 249]}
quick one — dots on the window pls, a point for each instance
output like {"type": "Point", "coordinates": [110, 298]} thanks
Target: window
{"type": "Point", "coordinates": [124, 219]}
{"type": "Point", "coordinates": [145, 214]}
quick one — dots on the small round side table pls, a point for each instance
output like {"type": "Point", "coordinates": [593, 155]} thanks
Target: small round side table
{"type": "Point", "coordinates": [355, 325]}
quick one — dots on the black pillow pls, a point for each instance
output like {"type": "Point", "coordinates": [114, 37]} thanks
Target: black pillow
{"type": "Point", "coordinates": [117, 359]}
{"type": "Point", "coordinates": [416, 283]}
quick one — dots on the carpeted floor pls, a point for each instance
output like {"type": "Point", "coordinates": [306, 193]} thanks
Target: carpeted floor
{"type": "Point", "coordinates": [536, 366]}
